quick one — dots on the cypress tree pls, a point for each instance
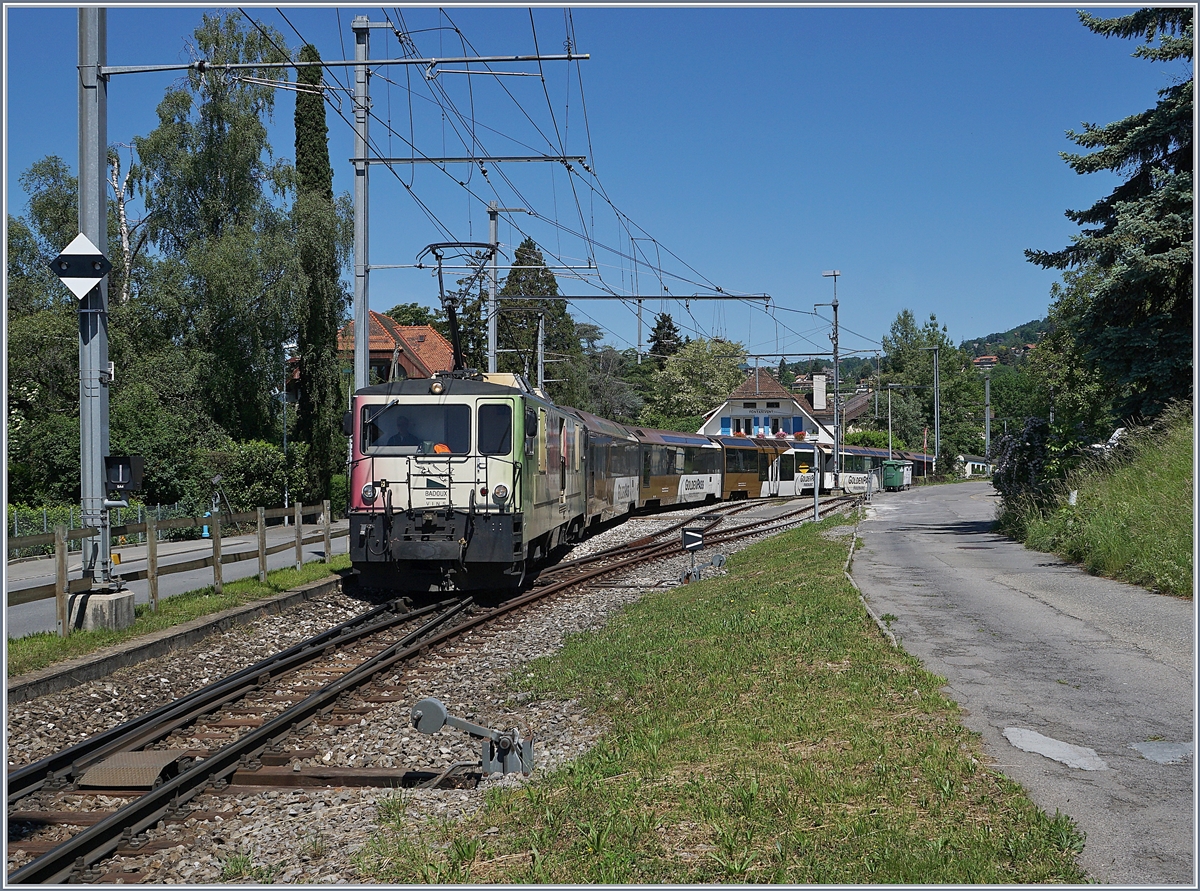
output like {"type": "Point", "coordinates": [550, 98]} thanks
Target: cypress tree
{"type": "Point", "coordinates": [321, 304]}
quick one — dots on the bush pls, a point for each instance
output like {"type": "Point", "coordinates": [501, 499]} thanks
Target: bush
{"type": "Point", "coordinates": [339, 495]}
{"type": "Point", "coordinates": [1133, 512]}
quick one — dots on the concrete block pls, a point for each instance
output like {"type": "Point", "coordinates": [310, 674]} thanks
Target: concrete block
{"type": "Point", "coordinates": [91, 611]}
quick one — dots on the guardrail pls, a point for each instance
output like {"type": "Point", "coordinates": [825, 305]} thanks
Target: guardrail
{"type": "Point", "coordinates": [63, 588]}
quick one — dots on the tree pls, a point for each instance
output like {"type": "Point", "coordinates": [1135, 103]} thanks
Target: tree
{"type": "Point", "coordinates": [908, 360]}
{"type": "Point", "coordinates": [322, 304]}
{"type": "Point", "coordinates": [519, 320]}
{"type": "Point", "coordinates": [216, 198]}
{"type": "Point", "coordinates": [1135, 324]}
{"type": "Point", "coordinates": [693, 381]}
{"type": "Point", "coordinates": [664, 340]}
{"type": "Point", "coordinates": [416, 314]}
{"type": "Point", "coordinates": [874, 439]}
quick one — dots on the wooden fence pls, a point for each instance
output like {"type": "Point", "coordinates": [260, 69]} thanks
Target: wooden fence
{"type": "Point", "coordinates": [62, 587]}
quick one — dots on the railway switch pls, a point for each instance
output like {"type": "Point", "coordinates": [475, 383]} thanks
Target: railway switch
{"type": "Point", "coordinates": [503, 751]}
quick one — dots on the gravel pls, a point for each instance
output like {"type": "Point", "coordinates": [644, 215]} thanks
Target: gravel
{"type": "Point", "coordinates": [310, 835]}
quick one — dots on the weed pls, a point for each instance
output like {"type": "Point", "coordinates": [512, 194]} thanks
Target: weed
{"type": "Point", "coordinates": [236, 867]}
{"type": "Point", "coordinates": [1066, 836]}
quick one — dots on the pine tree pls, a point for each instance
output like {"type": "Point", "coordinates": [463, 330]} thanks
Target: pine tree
{"type": "Point", "coordinates": [1136, 325]}
{"type": "Point", "coordinates": [664, 339]}
{"type": "Point", "coordinates": [519, 320]}
{"type": "Point", "coordinates": [322, 303]}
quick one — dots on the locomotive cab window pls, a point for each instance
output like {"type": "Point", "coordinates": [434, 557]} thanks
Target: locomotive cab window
{"type": "Point", "coordinates": [416, 429]}
{"type": "Point", "coordinates": [495, 429]}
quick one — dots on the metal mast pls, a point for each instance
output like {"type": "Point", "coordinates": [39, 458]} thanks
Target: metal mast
{"type": "Point", "coordinates": [94, 376]}
{"type": "Point", "coordinates": [362, 334]}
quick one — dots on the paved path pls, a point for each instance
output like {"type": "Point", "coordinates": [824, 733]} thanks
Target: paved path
{"type": "Point", "coordinates": [1082, 687]}
{"type": "Point", "coordinates": [29, 618]}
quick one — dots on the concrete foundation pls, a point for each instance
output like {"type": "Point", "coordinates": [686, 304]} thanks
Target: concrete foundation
{"type": "Point", "coordinates": [91, 611]}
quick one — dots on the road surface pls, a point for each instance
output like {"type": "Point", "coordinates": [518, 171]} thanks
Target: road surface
{"type": "Point", "coordinates": [1082, 687]}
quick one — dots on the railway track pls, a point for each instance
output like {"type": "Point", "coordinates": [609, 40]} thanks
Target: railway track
{"type": "Point", "coordinates": [236, 731]}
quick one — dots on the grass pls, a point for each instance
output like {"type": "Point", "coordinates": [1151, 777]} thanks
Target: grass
{"type": "Point", "coordinates": [766, 733]}
{"type": "Point", "coordinates": [36, 651]}
{"type": "Point", "coordinates": [1133, 518]}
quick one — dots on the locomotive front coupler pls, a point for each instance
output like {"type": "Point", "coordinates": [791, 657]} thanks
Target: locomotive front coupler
{"type": "Point", "coordinates": [503, 752]}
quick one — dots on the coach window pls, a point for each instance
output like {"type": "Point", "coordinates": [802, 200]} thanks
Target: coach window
{"type": "Point", "coordinates": [787, 468]}
{"type": "Point", "coordinates": [764, 466]}
{"type": "Point", "coordinates": [541, 440]}
{"type": "Point", "coordinates": [495, 429]}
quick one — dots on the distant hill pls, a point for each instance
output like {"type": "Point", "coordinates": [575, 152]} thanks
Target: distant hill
{"type": "Point", "coordinates": [1005, 341]}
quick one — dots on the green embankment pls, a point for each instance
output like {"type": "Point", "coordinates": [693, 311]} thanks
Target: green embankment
{"type": "Point", "coordinates": [764, 732]}
{"type": "Point", "coordinates": [1133, 517]}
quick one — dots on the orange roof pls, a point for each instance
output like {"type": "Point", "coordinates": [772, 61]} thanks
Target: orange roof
{"type": "Point", "coordinates": [759, 384]}
{"type": "Point", "coordinates": [421, 343]}
{"type": "Point", "coordinates": [428, 345]}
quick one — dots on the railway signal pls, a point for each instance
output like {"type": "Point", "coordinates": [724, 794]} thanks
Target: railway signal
{"type": "Point", "coordinates": [81, 266]}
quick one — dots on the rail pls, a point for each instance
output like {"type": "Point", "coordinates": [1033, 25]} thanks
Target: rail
{"type": "Point", "coordinates": [62, 588]}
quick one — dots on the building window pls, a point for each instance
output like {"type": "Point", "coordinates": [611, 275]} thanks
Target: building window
{"type": "Point", "coordinates": [749, 405]}
{"type": "Point", "coordinates": [772, 405]}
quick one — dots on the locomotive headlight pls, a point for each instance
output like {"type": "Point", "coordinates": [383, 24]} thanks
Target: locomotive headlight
{"type": "Point", "coordinates": [436, 388]}
{"type": "Point", "coordinates": [369, 493]}
{"type": "Point", "coordinates": [500, 492]}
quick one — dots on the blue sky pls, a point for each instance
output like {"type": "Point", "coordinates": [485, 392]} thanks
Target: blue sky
{"type": "Point", "coordinates": [914, 149]}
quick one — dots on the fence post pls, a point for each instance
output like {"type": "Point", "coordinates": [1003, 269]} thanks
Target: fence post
{"type": "Point", "coordinates": [152, 560]}
{"type": "Point", "coordinates": [299, 536]}
{"type": "Point", "coordinates": [328, 538]}
{"type": "Point", "coordinates": [262, 544]}
{"type": "Point", "coordinates": [60, 577]}
{"type": "Point", "coordinates": [218, 581]}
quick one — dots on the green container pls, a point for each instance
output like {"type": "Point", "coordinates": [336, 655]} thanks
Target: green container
{"type": "Point", "coordinates": [897, 475]}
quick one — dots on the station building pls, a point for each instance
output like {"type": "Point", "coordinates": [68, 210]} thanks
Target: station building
{"type": "Point", "coordinates": [761, 406]}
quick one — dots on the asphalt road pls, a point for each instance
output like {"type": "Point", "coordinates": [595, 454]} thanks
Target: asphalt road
{"type": "Point", "coordinates": [1081, 687]}
{"type": "Point", "coordinates": [29, 618]}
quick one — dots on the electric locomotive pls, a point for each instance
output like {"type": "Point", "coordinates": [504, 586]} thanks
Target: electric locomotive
{"type": "Point", "coordinates": [460, 481]}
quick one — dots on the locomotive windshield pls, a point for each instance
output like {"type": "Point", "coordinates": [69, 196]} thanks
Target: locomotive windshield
{"type": "Point", "coordinates": [416, 429]}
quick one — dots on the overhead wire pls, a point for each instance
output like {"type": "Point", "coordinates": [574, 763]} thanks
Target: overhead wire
{"type": "Point", "coordinates": [442, 99]}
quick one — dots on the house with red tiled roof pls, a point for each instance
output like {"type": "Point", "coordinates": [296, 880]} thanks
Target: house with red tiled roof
{"type": "Point", "coordinates": [398, 351]}
{"type": "Point", "coordinates": [761, 406]}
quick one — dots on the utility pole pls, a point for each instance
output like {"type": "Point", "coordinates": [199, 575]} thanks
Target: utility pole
{"type": "Point", "coordinates": [362, 333]}
{"type": "Point", "coordinates": [94, 375]}
{"type": "Point", "coordinates": [876, 385]}
{"type": "Point", "coordinates": [837, 432]}
{"type": "Point", "coordinates": [937, 413]}
{"type": "Point", "coordinates": [494, 211]}
{"type": "Point", "coordinates": [987, 415]}
{"type": "Point", "coordinates": [639, 349]}
{"type": "Point", "coordinates": [541, 352]}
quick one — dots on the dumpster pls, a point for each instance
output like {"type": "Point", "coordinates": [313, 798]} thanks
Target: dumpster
{"type": "Point", "coordinates": [897, 475]}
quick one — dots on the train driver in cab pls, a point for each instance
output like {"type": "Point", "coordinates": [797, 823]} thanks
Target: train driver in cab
{"type": "Point", "coordinates": [401, 434]}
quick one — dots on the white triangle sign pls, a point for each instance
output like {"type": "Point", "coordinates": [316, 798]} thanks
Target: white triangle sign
{"type": "Point", "coordinates": [81, 266]}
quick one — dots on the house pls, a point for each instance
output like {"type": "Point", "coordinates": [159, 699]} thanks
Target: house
{"type": "Point", "coordinates": [854, 412]}
{"type": "Point", "coordinates": [761, 406]}
{"type": "Point", "coordinates": [396, 351]}
{"type": "Point", "coordinates": [972, 465]}
{"type": "Point", "coordinates": [984, 362]}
